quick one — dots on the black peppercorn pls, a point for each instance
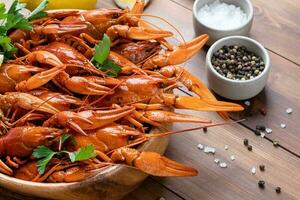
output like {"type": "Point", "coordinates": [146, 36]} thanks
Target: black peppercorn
{"type": "Point", "coordinates": [257, 132]}
{"type": "Point", "coordinates": [278, 190]}
{"type": "Point", "coordinates": [263, 111]}
{"type": "Point", "coordinates": [205, 129]}
{"type": "Point", "coordinates": [262, 167]}
{"type": "Point", "coordinates": [235, 59]}
{"type": "Point", "coordinates": [261, 127]}
{"type": "Point", "coordinates": [249, 148]}
{"type": "Point", "coordinates": [246, 142]}
{"type": "Point", "coordinates": [261, 184]}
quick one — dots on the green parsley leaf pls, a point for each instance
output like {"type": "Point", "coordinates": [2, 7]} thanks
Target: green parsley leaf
{"type": "Point", "coordinates": [102, 50]}
{"type": "Point", "coordinates": [38, 11]}
{"type": "Point", "coordinates": [83, 153]}
{"type": "Point", "coordinates": [41, 152]}
{"type": "Point", "coordinates": [100, 60]}
{"type": "Point", "coordinates": [13, 7]}
{"type": "Point", "coordinates": [13, 19]}
{"type": "Point", "coordinates": [2, 11]}
{"type": "Point", "coordinates": [44, 154]}
{"type": "Point", "coordinates": [23, 24]}
{"type": "Point", "coordinates": [6, 47]}
{"type": "Point", "coordinates": [111, 68]}
{"type": "Point", "coordinates": [42, 164]}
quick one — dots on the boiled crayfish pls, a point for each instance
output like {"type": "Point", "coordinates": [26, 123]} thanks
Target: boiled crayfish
{"type": "Point", "coordinates": [53, 87]}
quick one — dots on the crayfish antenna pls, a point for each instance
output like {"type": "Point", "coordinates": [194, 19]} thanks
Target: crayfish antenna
{"type": "Point", "coordinates": [157, 135]}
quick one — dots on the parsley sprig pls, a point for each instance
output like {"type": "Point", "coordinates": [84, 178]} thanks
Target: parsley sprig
{"type": "Point", "coordinates": [44, 154]}
{"type": "Point", "coordinates": [13, 19]}
{"type": "Point", "coordinates": [100, 58]}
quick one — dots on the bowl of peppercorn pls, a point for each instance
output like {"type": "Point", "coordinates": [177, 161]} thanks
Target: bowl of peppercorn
{"type": "Point", "coordinates": [237, 67]}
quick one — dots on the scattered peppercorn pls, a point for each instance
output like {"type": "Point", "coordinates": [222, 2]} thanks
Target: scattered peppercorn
{"type": "Point", "coordinates": [257, 132]}
{"type": "Point", "coordinates": [263, 111]}
{"type": "Point", "coordinates": [260, 127]}
{"type": "Point", "coordinates": [237, 63]}
{"type": "Point", "coordinates": [246, 142]}
{"type": "Point", "coordinates": [262, 167]}
{"type": "Point", "coordinates": [275, 143]}
{"type": "Point", "coordinates": [250, 148]}
{"type": "Point", "coordinates": [278, 190]}
{"type": "Point", "coordinates": [261, 184]}
{"type": "Point", "coordinates": [205, 129]}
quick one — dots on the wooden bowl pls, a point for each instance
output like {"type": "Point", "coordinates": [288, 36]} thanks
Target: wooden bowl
{"type": "Point", "coordinates": [112, 183]}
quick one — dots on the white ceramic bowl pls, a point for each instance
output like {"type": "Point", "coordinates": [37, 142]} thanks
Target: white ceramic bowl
{"type": "Point", "coordinates": [216, 34]}
{"type": "Point", "coordinates": [237, 89]}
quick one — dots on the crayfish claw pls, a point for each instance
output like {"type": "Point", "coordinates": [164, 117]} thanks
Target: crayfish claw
{"type": "Point", "coordinates": [152, 163]}
{"type": "Point", "coordinates": [157, 165]}
{"type": "Point", "coordinates": [136, 33]}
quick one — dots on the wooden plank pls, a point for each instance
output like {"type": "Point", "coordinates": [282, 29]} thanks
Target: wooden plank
{"type": "Point", "coordinates": [236, 181]}
{"type": "Point", "coordinates": [275, 99]}
{"type": "Point", "coordinates": [149, 190]}
{"type": "Point", "coordinates": [275, 25]}
{"type": "Point", "coordinates": [278, 94]}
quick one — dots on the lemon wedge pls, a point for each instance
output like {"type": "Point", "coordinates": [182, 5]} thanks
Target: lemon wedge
{"type": "Point", "coordinates": [1, 59]}
{"type": "Point", "coordinates": [127, 3]}
{"type": "Point", "coordinates": [62, 4]}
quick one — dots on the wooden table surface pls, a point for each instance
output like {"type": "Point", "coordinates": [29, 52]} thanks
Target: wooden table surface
{"type": "Point", "coordinates": [277, 26]}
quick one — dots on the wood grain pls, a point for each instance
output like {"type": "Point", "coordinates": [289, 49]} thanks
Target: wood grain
{"type": "Point", "coordinates": [149, 190]}
{"type": "Point", "coordinates": [236, 181]}
{"type": "Point", "coordinates": [280, 93]}
{"type": "Point", "coordinates": [275, 25]}
{"type": "Point", "coordinates": [277, 96]}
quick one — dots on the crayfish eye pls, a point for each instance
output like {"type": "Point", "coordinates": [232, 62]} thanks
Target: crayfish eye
{"type": "Point", "coordinates": [130, 137]}
{"type": "Point", "coordinates": [116, 15]}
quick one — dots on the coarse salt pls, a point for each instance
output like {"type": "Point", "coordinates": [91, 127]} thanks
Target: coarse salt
{"type": "Point", "coordinates": [253, 170]}
{"type": "Point", "coordinates": [223, 165]}
{"type": "Point", "coordinates": [200, 146]}
{"type": "Point", "coordinates": [283, 125]}
{"type": "Point", "coordinates": [232, 157]}
{"type": "Point", "coordinates": [222, 16]}
{"type": "Point", "coordinates": [247, 103]}
{"type": "Point", "coordinates": [269, 130]}
{"type": "Point", "coordinates": [226, 147]}
{"type": "Point", "coordinates": [217, 160]}
{"type": "Point", "coordinates": [289, 110]}
{"type": "Point", "coordinates": [209, 150]}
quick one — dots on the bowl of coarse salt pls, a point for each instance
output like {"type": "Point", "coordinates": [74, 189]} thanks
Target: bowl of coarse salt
{"type": "Point", "coordinates": [222, 18]}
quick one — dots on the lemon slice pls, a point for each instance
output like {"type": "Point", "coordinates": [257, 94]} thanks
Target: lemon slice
{"type": "Point", "coordinates": [1, 59]}
{"type": "Point", "coordinates": [62, 4]}
{"type": "Point", "coordinates": [127, 3]}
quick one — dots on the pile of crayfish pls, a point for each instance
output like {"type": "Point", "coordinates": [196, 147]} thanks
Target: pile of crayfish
{"type": "Point", "coordinates": [51, 87]}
